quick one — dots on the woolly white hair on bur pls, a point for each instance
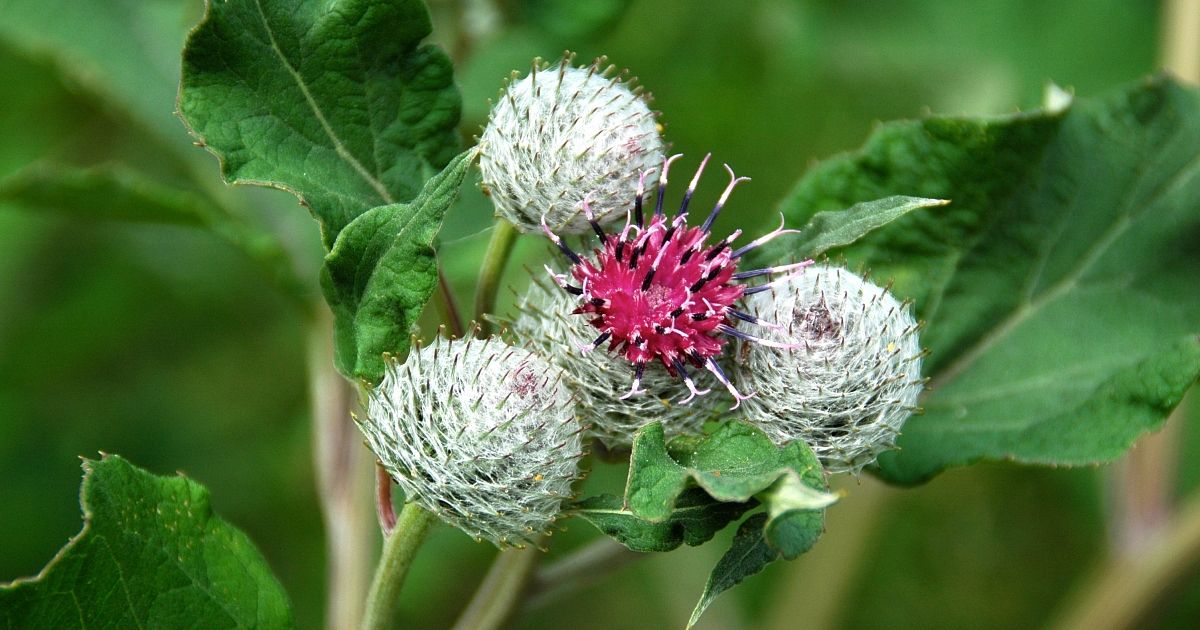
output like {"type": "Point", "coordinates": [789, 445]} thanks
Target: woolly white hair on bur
{"type": "Point", "coordinates": [562, 133]}
{"type": "Point", "coordinates": [598, 378]}
{"type": "Point", "coordinates": [853, 381]}
{"type": "Point", "coordinates": [481, 433]}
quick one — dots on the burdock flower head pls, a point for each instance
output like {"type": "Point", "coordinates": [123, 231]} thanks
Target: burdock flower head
{"type": "Point", "coordinates": [481, 433]}
{"type": "Point", "coordinates": [657, 292]}
{"type": "Point", "coordinates": [547, 326]}
{"type": "Point", "coordinates": [852, 375]}
{"type": "Point", "coordinates": [562, 132]}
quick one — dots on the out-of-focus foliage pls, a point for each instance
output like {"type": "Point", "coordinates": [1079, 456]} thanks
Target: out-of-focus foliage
{"type": "Point", "coordinates": [170, 347]}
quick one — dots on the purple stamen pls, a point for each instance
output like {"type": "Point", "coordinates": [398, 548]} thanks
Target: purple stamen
{"type": "Point", "coordinates": [733, 181]}
{"type": "Point", "coordinates": [738, 397]}
{"type": "Point", "coordinates": [742, 275]}
{"type": "Point", "coordinates": [687, 196]}
{"type": "Point", "coordinates": [687, 380]}
{"type": "Point", "coordinates": [733, 332]}
{"type": "Point", "coordinates": [561, 245]}
{"type": "Point", "coordinates": [662, 184]}
{"type": "Point", "coordinates": [762, 240]}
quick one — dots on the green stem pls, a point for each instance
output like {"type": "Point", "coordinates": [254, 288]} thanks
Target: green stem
{"type": "Point", "coordinates": [504, 235]}
{"type": "Point", "coordinates": [447, 308]}
{"type": "Point", "coordinates": [398, 552]}
{"type": "Point", "coordinates": [501, 591]}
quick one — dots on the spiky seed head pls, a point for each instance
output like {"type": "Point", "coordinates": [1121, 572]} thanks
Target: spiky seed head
{"type": "Point", "coordinates": [545, 324]}
{"type": "Point", "coordinates": [853, 377]}
{"type": "Point", "coordinates": [481, 433]}
{"type": "Point", "coordinates": [563, 132]}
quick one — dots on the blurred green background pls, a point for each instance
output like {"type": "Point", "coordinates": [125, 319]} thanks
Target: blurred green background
{"type": "Point", "coordinates": [170, 347]}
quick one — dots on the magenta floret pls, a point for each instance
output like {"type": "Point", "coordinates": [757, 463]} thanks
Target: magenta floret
{"type": "Point", "coordinates": [658, 291]}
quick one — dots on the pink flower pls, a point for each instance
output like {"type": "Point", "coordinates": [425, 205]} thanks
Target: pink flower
{"type": "Point", "coordinates": [658, 291]}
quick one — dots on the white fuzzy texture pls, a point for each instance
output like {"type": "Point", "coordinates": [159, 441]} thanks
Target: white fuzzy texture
{"type": "Point", "coordinates": [599, 378]}
{"type": "Point", "coordinates": [563, 133]}
{"type": "Point", "coordinates": [851, 385]}
{"type": "Point", "coordinates": [481, 433]}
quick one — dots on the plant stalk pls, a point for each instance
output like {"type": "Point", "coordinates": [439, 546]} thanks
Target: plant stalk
{"type": "Point", "coordinates": [446, 305]}
{"type": "Point", "coordinates": [500, 247]}
{"type": "Point", "coordinates": [579, 569]}
{"type": "Point", "coordinates": [1142, 484]}
{"type": "Point", "coordinates": [340, 465]}
{"type": "Point", "coordinates": [399, 549]}
{"type": "Point", "coordinates": [501, 592]}
{"type": "Point", "coordinates": [383, 500]}
{"type": "Point", "coordinates": [1128, 591]}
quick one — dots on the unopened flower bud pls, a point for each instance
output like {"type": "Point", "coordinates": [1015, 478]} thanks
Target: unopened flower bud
{"type": "Point", "coordinates": [600, 379]}
{"type": "Point", "coordinates": [561, 134]}
{"type": "Point", "coordinates": [481, 433]}
{"type": "Point", "coordinates": [852, 377]}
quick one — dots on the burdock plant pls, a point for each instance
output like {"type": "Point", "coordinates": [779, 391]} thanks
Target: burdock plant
{"type": "Point", "coordinates": [729, 376]}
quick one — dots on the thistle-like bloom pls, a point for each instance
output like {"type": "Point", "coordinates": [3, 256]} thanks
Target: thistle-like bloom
{"type": "Point", "coordinates": [563, 132]}
{"type": "Point", "coordinates": [546, 325]}
{"type": "Point", "coordinates": [481, 433]}
{"type": "Point", "coordinates": [852, 378]}
{"type": "Point", "coordinates": [658, 292]}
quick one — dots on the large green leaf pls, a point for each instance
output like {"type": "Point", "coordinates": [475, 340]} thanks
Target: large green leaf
{"type": "Point", "coordinates": [116, 193]}
{"type": "Point", "coordinates": [382, 270]}
{"type": "Point", "coordinates": [335, 101]}
{"type": "Point", "coordinates": [151, 554]}
{"type": "Point", "coordinates": [1059, 286]}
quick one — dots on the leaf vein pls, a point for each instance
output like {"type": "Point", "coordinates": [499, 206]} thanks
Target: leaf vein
{"type": "Point", "coordinates": [338, 145]}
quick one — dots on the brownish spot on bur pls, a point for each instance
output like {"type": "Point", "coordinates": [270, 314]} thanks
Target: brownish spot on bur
{"type": "Point", "coordinates": [816, 322]}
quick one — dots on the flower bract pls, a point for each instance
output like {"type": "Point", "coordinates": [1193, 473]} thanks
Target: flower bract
{"type": "Point", "coordinates": [562, 133]}
{"type": "Point", "coordinates": [852, 373]}
{"type": "Point", "coordinates": [481, 433]}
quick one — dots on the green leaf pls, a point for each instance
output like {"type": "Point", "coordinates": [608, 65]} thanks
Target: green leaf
{"type": "Point", "coordinates": [695, 519]}
{"type": "Point", "coordinates": [1059, 286]}
{"type": "Point", "coordinates": [335, 101]}
{"type": "Point", "coordinates": [795, 515]}
{"type": "Point", "coordinates": [749, 554]}
{"type": "Point", "coordinates": [829, 229]}
{"type": "Point", "coordinates": [655, 480]}
{"type": "Point", "coordinates": [688, 490]}
{"type": "Point", "coordinates": [734, 463]}
{"type": "Point", "coordinates": [116, 193]}
{"type": "Point", "coordinates": [382, 270]}
{"type": "Point", "coordinates": [151, 554]}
